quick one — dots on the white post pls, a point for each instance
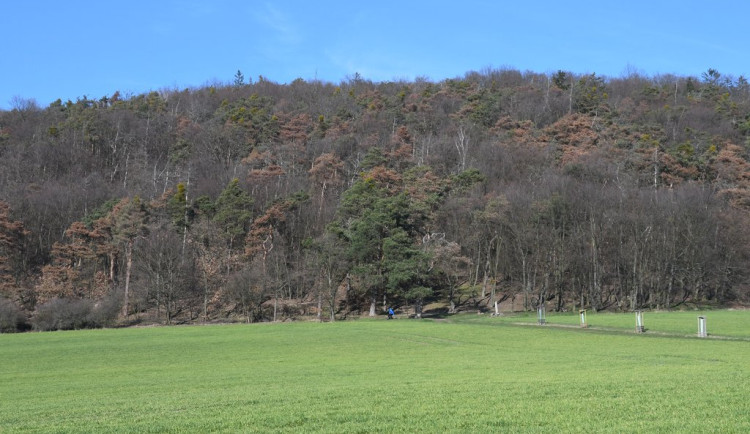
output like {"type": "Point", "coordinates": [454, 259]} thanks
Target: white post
{"type": "Point", "coordinates": [639, 322]}
{"type": "Point", "coordinates": [702, 331]}
{"type": "Point", "coordinates": [582, 313]}
{"type": "Point", "coordinates": [541, 315]}
{"type": "Point", "coordinates": [497, 312]}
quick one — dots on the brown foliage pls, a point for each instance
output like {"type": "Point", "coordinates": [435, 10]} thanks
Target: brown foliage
{"type": "Point", "coordinates": [261, 235]}
{"type": "Point", "coordinates": [258, 158]}
{"type": "Point", "coordinates": [733, 171]}
{"type": "Point", "coordinates": [673, 172]}
{"type": "Point", "coordinates": [385, 178]}
{"type": "Point", "coordinates": [296, 129]}
{"type": "Point", "coordinates": [12, 234]}
{"type": "Point", "coordinates": [425, 184]}
{"type": "Point", "coordinates": [574, 135]}
{"type": "Point", "coordinates": [78, 268]}
{"type": "Point", "coordinates": [511, 129]}
{"type": "Point", "coordinates": [731, 167]}
{"type": "Point", "coordinates": [269, 172]}
{"type": "Point", "coordinates": [326, 170]}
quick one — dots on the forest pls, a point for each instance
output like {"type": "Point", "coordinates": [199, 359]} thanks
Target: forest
{"type": "Point", "coordinates": [252, 200]}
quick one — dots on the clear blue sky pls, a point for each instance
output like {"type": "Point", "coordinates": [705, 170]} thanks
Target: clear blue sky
{"type": "Point", "coordinates": [67, 49]}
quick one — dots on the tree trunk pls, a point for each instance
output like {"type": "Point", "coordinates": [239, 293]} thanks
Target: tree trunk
{"type": "Point", "coordinates": [487, 267]}
{"type": "Point", "coordinates": [275, 303]}
{"type": "Point", "coordinates": [158, 294]}
{"type": "Point", "coordinates": [205, 302]}
{"type": "Point", "coordinates": [112, 269]}
{"type": "Point", "coordinates": [320, 307]}
{"type": "Point", "coordinates": [348, 289]}
{"type": "Point", "coordinates": [331, 296]}
{"type": "Point", "coordinates": [128, 269]}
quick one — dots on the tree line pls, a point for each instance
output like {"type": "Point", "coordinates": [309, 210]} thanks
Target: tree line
{"type": "Point", "coordinates": [264, 201]}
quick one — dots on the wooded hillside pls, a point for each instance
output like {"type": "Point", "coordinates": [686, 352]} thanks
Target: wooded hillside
{"type": "Point", "coordinates": [265, 201]}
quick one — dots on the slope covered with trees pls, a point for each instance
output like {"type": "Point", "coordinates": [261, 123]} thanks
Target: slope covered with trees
{"type": "Point", "coordinates": [265, 201]}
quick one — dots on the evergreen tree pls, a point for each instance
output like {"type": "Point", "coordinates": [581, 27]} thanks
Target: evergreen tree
{"type": "Point", "coordinates": [381, 225]}
{"type": "Point", "coordinates": [233, 216]}
{"type": "Point", "coordinates": [129, 217]}
{"type": "Point", "coordinates": [239, 78]}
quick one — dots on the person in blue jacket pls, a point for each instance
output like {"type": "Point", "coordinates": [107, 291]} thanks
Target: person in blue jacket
{"type": "Point", "coordinates": [390, 313]}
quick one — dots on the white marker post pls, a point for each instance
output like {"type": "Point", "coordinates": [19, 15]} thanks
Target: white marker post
{"type": "Point", "coordinates": [541, 316]}
{"type": "Point", "coordinates": [702, 330]}
{"type": "Point", "coordinates": [639, 322]}
{"type": "Point", "coordinates": [582, 314]}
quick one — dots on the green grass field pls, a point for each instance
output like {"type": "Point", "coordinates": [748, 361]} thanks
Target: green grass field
{"type": "Point", "coordinates": [468, 373]}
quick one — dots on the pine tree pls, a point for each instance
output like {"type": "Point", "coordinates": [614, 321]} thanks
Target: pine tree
{"type": "Point", "coordinates": [233, 216]}
{"type": "Point", "coordinates": [129, 218]}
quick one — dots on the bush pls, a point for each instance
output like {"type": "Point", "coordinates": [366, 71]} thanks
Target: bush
{"type": "Point", "coordinates": [12, 318]}
{"type": "Point", "coordinates": [73, 314]}
{"type": "Point", "coordinates": [105, 311]}
{"type": "Point", "coordinates": [62, 314]}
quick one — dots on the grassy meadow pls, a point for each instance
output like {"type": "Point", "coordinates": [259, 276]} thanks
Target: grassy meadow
{"type": "Point", "coordinates": [468, 373]}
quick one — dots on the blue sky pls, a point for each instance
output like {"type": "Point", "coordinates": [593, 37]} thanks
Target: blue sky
{"type": "Point", "coordinates": [67, 49]}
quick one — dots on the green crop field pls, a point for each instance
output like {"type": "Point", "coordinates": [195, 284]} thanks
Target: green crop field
{"type": "Point", "coordinates": [468, 373]}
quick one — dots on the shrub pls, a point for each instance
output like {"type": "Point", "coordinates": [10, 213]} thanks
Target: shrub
{"type": "Point", "coordinates": [62, 314]}
{"type": "Point", "coordinates": [105, 311]}
{"type": "Point", "coordinates": [72, 314]}
{"type": "Point", "coordinates": [12, 318]}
